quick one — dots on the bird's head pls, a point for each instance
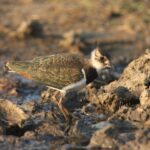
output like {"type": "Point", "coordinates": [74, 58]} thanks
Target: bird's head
{"type": "Point", "coordinates": [99, 60]}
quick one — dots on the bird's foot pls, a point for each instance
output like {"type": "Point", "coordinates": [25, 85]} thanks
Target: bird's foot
{"type": "Point", "coordinates": [65, 112]}
{"type": "Point", "coordinates": [59, 98]}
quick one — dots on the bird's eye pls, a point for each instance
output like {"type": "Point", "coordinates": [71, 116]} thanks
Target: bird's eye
{"type": "Point", "coordinates": [102, 58]}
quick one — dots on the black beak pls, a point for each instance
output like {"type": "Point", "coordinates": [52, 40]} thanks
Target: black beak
{"type": "Point", "coordinates": [109, 67]}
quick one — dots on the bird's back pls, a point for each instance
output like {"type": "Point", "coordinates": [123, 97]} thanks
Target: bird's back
{"type": "Point", "coordinates": [56, 71]}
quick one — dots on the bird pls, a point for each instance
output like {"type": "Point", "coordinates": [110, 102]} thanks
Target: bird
{"type": "Point", "coordinates": [63, 72]}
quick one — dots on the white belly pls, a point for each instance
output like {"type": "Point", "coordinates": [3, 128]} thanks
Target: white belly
{"type": "Point", "coordinates": [76, 86]}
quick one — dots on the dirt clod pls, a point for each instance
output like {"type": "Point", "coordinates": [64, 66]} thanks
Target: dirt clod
{"type": "Point", "coordinates": [11, 114]}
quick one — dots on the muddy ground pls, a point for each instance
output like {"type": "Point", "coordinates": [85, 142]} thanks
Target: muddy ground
{"type": "Point", "coordinates": [107, 114]}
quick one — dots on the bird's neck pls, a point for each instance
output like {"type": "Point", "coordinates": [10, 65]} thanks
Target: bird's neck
{"type": "Point", "coordinates": [91, 74]}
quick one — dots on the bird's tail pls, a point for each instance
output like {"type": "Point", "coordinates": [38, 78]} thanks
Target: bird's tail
{"type": "Point", "coordinates": [17, 66]}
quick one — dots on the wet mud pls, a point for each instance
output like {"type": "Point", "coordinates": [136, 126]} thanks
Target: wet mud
{"type": "Point", "coordinates": [113, 112]}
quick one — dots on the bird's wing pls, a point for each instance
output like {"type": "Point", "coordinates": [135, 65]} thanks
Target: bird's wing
{"type": "Point", "coordinates": [57, 70]}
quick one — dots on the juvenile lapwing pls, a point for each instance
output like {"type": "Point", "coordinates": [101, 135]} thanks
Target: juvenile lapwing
{"type": "Point", "coordinates": [62, 72]}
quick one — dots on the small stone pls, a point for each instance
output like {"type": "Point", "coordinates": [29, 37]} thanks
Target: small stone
{"type": "Point", "coordinates": [29, 135]}
{"type": "Point", "coordinates": [101, 125]}
{"type": "Point", "coordinates": [102, 140]}
{"type": "Point", "coordinates": [31, 27]}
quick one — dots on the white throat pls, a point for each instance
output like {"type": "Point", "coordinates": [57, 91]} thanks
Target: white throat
{"type": "Point", "coordinates": [95, 63]}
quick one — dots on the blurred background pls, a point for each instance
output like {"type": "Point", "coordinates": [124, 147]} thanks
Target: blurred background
{"type": "Point", "coordinates": [30, 28]}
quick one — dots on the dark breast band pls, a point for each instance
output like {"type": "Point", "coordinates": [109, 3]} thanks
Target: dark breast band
{"type": "Point", "coordinates": [91, 74]}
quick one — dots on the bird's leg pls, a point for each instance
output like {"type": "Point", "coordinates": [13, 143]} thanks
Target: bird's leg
{"type": "Point", "coordinates": [60, 104]}
{"type": "Point", "coordinates": [63, 109]}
